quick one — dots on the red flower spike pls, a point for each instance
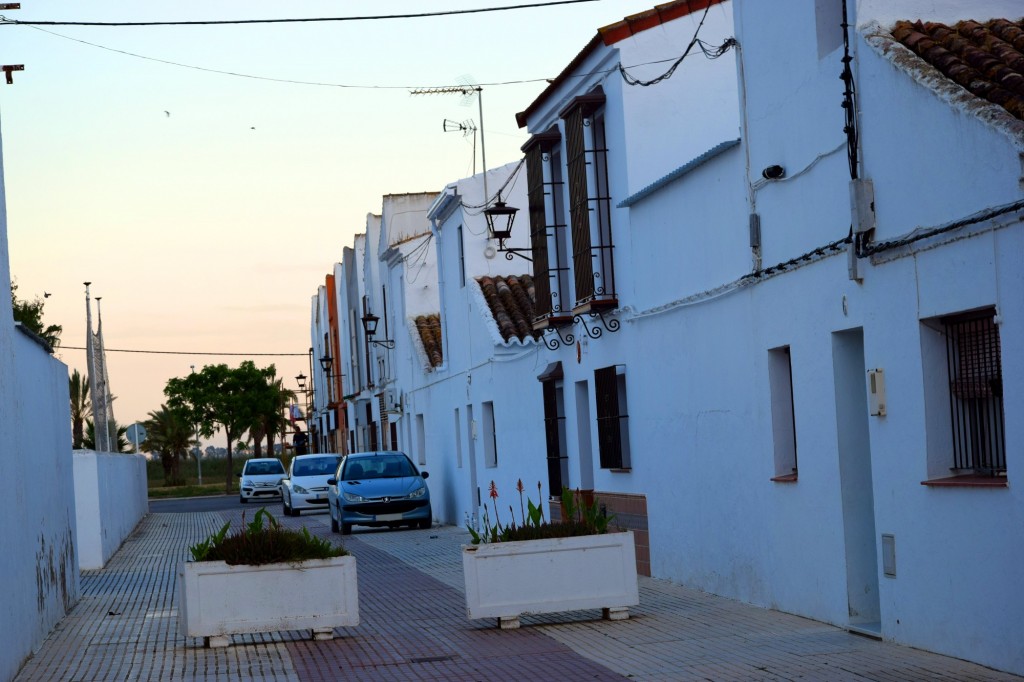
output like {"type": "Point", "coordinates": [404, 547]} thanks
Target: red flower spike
{"type": "Point", "coordinates": [494, 491]}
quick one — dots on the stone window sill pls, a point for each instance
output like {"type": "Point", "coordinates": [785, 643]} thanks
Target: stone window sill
{"type": "Point", "coordinates": [967, 481]}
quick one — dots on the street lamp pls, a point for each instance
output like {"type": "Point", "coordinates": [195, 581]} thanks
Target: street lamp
{"type": "Point", "coordinates": [199, 452]}
{"type": "Point", "coordinates": [500, 217]}
{"type": "Point", "coordinates": [370, 327]}
{"type": "Point", "coordinates": [301, 380]}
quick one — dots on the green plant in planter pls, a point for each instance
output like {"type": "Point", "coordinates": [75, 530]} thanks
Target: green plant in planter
{"type": "Point", "coordinates": [578, 518]}
{"type": "Point", "coordinates": [258, 544]}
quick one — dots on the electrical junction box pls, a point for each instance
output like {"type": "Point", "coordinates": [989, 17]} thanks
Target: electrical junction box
{"type": "Point", "coordinates": [876, 392]}
{"type": "Point", "coordinates": [862, 204]}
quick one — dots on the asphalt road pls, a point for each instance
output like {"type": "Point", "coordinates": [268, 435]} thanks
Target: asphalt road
{"type": "Point", "coordinates": [203, 504]}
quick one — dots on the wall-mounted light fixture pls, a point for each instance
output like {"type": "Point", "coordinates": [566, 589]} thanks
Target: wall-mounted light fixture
{"type": "Point", "coordinates": [500, 217]}
{"type": "Point", "coordinates": [370, 327]}
{"type": "Point", "coordinates": [327, 362]}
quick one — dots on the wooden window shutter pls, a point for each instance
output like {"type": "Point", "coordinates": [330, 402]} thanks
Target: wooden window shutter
{"type": "Point", "coordinates": [609, 433]}
{"type": "Point", "coordinates": [579, 204]}
{"type": "Point", "coordinates": [538, 230]}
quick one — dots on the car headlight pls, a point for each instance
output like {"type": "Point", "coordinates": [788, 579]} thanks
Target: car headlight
{"type": "Point", "coordinates": [300, 490]}
{"type": "Point", "coordinates": [418, 493]}
{"type": "Point", "coordinates": [352, 497]}
{"type": "Point", "coordinates": [246, 482]}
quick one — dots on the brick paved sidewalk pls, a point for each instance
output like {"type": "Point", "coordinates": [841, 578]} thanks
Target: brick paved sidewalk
{"type": "Point", "coordinates": [414, 627]}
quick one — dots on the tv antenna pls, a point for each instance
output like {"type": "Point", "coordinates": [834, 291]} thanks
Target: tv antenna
{"type": "Point", "coordinates": [468, 127]}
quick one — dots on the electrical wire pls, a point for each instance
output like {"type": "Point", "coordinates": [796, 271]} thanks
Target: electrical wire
{"type": "Point", "coordinates": [709, 52]}
{"type": "Point", "coordinates": [524, 81]}
{"type": "Point", "coordinates": [377, 17]}
{"type": "Point", "coordinates": [865, 250]}
{"type": "Point", "coordinates": [181, 352]}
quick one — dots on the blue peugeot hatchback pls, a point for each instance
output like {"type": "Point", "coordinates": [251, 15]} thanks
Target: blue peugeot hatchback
{"type": "Point", "coordinates": [378, 489]}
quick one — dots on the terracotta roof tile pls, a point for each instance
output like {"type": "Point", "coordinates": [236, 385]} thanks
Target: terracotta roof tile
{"type": "Point", "coordinates": [642, 21]}
{"type": "Point", "coordinates": [986, 59]}
{"type": "Point", "coordinates": [429, 329]}
{"type": "Point", "coordinates": [510, 300]}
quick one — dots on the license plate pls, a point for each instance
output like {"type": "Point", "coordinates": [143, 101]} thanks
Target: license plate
{"type": "Point", "coordinates": [318, 497]}
{"type": "Point", "coordinates": [389, 517]}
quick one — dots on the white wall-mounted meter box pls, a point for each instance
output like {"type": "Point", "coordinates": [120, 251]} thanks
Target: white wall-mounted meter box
{"type": "Point", "coordinates": [876, 392]}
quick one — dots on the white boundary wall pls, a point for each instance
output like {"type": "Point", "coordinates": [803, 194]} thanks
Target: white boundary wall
{"type": "Point", "coordinates": [38, 567]}
{"type": "Point", "coordinates": [110, 500]}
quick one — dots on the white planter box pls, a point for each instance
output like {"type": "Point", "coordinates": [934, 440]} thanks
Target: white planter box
{"type": "Point", "coordinates": [507, 579]}
{"type": "Point", "coordinates": [216, 600]}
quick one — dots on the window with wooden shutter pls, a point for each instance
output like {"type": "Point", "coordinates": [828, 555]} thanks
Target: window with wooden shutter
{"type": "Point", "coordinates": [589, 203]}
{"type": "Point", "coordinates": [612, 417]}
{"type": "Point", "coordinates": [554, 433]}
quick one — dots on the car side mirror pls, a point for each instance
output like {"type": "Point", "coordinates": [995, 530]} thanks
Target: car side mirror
{"type": "Point", "coordinates": [332, 481]}
{"type": "Point", "coordinates": [425, 474]}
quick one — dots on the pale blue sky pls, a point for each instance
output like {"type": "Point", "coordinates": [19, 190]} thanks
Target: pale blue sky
{"type": "Point", "coordinates": [208, 229]}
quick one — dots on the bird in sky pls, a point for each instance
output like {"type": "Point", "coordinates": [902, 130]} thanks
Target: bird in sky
{"type": "Point", "coordinates": [168, 113]}
{"type": "Point", "coordinates": [46, 294]}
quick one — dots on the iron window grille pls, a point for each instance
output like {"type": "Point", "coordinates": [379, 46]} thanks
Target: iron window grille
{"type": "Point", "coordinates": [589, 203]}
{"type": "Point", "coordinates": [976, 392]}
{"type": "Point", "coordinates": [612, 417]}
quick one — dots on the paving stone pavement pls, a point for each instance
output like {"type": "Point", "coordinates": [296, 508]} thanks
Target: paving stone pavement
{"type": "Point", "coordinates": [413, 627]}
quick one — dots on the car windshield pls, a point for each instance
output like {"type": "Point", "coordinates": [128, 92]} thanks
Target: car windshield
{"type": "Point", "coordinates": [378, 466]}
{"type": "Point", "coordinates": [263, 468]}
{"type": "Point", "coordinates": [315, 466]}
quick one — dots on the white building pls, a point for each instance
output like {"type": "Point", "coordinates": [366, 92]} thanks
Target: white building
{"type": "Point", "coordinates": [770, 338]}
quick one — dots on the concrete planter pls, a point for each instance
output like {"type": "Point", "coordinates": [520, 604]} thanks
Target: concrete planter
{"type": "Point", "coordinates": [505, 580]}
{"type": "Point", "coordinates": [216, 600]}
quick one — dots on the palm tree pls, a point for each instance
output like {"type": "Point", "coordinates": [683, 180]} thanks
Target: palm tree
{"type": "Point", "coordinates": [169, 433]}
{"type": "Point", "coordinates": [89, 438]}
{"type": "Point", "coordinates": [78, 386]}
{"type": "Point", "coordinates": [270, 420]}
{"type": "Point", "coordinates": [277, 423]}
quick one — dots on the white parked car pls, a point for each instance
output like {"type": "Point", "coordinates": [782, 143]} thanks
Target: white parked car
{"type": "Point", "coordinates": [306, 484]}
{"type": "Point", "coordinates": [261, 478]}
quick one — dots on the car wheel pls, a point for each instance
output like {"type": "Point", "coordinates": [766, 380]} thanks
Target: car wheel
{"type": "Point", "coordinates": [243, 500]}
{"type": "Point", "coordinates": [285, 508]}
{"type": "Point", "coordinates": [334, 523]}
{"type": "Point", "coordinates": [346, 528]}
{"type": "Point", "coordinates": [425, 524]}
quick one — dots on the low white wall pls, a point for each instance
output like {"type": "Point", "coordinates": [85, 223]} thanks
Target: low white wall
{"type": "Point", "coordinates": [110, 500]}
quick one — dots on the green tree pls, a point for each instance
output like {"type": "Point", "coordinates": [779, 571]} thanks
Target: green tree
{"type": "Point", "coordinates": [30, 314]}
{"type": "Point", "coordinates": [78, 387]}
{"type": "Point", "coordinates": [169, 433]}
{"type": "Point", "coordinates": [220, 396]}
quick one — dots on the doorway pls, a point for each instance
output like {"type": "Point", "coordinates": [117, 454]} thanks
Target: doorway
{"type": "Point", "coordinates": [856, 483]}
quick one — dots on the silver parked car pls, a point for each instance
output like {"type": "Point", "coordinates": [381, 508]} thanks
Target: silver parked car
{"type": "Point", "coordinates": [260, 478]}
{"type": "Point", "coordinates": [306, 484]}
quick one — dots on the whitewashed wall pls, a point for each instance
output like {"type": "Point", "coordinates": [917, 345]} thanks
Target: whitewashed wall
{"type": "Point", "coordinates": [110, 500]}
{"type": "Point", "coordinates": [38, 566]}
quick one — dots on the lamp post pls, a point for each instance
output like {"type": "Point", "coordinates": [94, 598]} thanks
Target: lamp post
{"type": "Point", "coordinates": [327, 362]}
{"type": "Point", "coordinates": [199, 451]}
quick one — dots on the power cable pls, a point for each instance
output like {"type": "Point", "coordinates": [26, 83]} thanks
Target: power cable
{"type": "Point", "coordinates": [291, 81]}
{"type": "Point", "coordinates": [180, 352]}
{"type": "Point", "coordinates": [377, 17]}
